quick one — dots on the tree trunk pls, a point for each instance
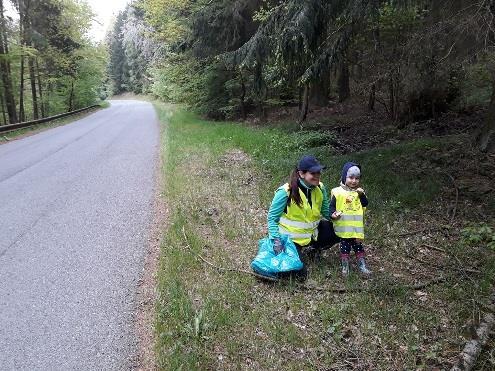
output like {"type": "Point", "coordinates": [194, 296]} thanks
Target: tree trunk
{"type": "Point", "coordinates": [343, 81]}
{"type": "Point", "coordinates": [40, 90]}
{"type": "Point", "coordinates": [47, 103]}
{"type": "Point", "coordinates": [394, 95]}
{"type": "Point", "coordinates": [391, 97]}
{"type": "Point", "coordinates": [243, 97]}
{"type": "Point", "coordinates": [3, 109]}
{"type": "Point", "coordinates": [5, 70]}
{"type": "Point", "coordinates": [32, 80]}
{"type": "Point", "coordinates": [300, 98]}
{"type": "Point", "coordinates": [71, 96]}
{"type": "Point", "coordinates": [319, 90]}
{"type": "Point", "coordinates": [485, 138]}
{"type": "Point", "coordinates": [305, 105]}
{"type": "Point", "coordinates": [372, 98]}
{"type": "Point", "coordinates": [473, 348]}
{"type": "Point", "coordinates": [22, 114]}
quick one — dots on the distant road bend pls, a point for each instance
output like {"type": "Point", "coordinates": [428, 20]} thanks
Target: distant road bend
{"type": "Point", "coordinates": [75, 211]}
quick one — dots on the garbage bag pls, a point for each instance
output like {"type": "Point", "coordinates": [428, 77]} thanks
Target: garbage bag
{"type": "Point", "coordinates": [268, 264]}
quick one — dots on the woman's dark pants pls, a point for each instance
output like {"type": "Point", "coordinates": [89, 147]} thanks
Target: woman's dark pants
{"type": "Point", "coordinates": [326, 239]}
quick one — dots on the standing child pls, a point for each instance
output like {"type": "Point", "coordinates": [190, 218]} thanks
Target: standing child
{"type": "Point", "coordinates": [347, 206]}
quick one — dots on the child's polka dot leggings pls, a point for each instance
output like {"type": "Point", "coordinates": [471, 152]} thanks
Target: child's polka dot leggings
{"type": "Point", "coordinates": [346, 244]}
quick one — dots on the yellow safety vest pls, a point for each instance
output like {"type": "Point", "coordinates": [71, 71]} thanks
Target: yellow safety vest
{"type": "Point", "coordinates": [351, 221]}
{"type": "Point", "coordinates": [301, 222]}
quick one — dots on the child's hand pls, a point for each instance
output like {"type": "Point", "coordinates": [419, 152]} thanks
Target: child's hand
{"type": "Point", "coordinates": [360, 191]}
{"type": "Point", "coordinates": [336, 215]}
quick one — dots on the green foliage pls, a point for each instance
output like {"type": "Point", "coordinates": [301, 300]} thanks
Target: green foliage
{"type": "Point", "coordinates": [476, 86]}
{"type": "Point", "coordinates": [312, 139]}
{"type": "Point", "coordinates": [481, 235]}
{"type": "Point", "coordinates": [54, 49]}
{"type": "Point", "coordinates": [178, 80]}
{"type": "Point", "coordinates": [233, 58]}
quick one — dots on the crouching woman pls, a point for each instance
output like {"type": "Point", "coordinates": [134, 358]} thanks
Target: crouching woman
{"type": "Point", "coordinates": [300, 209]}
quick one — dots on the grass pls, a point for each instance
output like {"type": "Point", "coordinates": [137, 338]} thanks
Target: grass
{"type": "Point", "coordinates": [219, 180]}
{"type": "Point", "coordinates": [16, 134]}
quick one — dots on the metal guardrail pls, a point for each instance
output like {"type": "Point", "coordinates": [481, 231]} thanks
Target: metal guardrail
{"type": "Point", "coordinates": [20, 125]}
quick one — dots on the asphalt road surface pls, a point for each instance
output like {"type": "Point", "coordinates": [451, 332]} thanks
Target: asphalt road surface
{"type": "Point", "coordinates": [75, 211]}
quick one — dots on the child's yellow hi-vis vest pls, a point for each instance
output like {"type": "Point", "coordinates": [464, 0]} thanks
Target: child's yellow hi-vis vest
{"type": "Point", "coordinates": [301, 222]}
{"type": "Point", "coordinates": [351, 221]}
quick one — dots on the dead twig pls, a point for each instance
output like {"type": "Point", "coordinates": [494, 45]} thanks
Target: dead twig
{"type": "Point", "coordinates": [433, 247]}
{"type": "Point", "coordinates": [419, 231]}
{"type": "Point", "coordinates": [339, 290]}
{"type": "Point", "coordinates": [223, 269]}
{"type": "Point", "coordinates": [456, 197]}
{"type": "Point", "coordinates": [434, 281]}
{"type": "Point", "coordinates": [470, 270]}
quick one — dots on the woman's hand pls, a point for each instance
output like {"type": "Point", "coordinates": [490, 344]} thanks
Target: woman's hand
{"type": "Point", "coordinates": [336, 215]}
{"type": "Point", "coordinates": [277, 246]}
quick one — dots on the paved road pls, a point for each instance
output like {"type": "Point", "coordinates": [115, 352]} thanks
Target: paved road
{"type": "Point", "coordinates": [75, 207]}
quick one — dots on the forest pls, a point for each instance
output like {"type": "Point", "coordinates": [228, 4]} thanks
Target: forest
{"type": "Point", "coordinates": [398, 61]}
{"type": "Point", "coordinates": [48, 64]}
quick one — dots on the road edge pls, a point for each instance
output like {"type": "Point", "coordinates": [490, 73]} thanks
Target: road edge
{"type": "Point", "coordinates": [147, 285]}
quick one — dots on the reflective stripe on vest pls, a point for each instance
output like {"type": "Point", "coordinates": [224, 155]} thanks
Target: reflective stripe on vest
{"type": "Point", "coordinates": [355, 218]}
{"type": "Point", "coordinates": [348, 229]}
{"type": "Point", "coordinates": [293, 235]}
{"type": "Point", "coordinates": [292, 223]}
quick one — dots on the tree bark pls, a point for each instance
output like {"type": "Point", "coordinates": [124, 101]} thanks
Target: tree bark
{"type": "Point", "coordinates": [32, 80]}
{"type": "Point", "coordinates": [391, 97]}
{"type": "Point", "coordinates": [372, 98]}
{"type": "Point", "coordinates": [243, 97]}
{"type": "Point", "coordinates": [5, 70]}
{"type": "Point", "coordinates": [4, 116]}
{"type": "Point", "coordinates": [394, 95]}
{"type": "Point", "coordinates": [469, 356]}
{"type": "Point", "coordinates": [22, 114]}
{"type": "Point", "coordinates": [71, 96]}
{"type": "Point", "coordinates": [485, 138]}
{"type": "Point", "coordinates": [343, 82]}
{"type": "Point", "coordinates": [305, 105]}
{"type": "Point", "coordinates": [40, 90]}
{"type": "Point", "coordinates": [319, 90]}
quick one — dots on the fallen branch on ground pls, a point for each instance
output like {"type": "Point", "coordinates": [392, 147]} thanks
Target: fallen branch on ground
{"type": "Point", "coordinates": [433, 247]}
{"type": "Point", "coordinates": [471, 351]}
{"type": "Point", "coordinates": [420, 231]}
{"type": "Point", "coordinates": [339, 290]}
{"type": "Point", "coordinates": [433, 281]}
{"type": "Point", "coordinates": [222, 268]}
{"type": "Point", "coordinates": [306, 287]}
{"type": "Point", "coordinates": [469, 270]}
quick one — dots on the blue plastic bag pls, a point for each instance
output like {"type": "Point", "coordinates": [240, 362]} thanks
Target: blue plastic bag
{"type": "Point", "coordinates": [268, 264]}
